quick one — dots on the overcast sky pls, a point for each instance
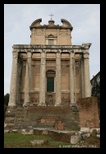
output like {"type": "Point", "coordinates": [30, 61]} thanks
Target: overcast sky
{"type": "Point", "coordinates": [85, 19]}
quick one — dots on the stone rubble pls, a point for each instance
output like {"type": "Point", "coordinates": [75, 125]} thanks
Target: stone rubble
{"type": "Point", "coordinates": [77, 138]}
{"type": "Point", "coordinates": [38, 142]}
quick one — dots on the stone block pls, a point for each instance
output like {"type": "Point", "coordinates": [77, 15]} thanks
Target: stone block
{"type": "Point", "coordinates": [85, 129]}
{"type": "Point", "coordinates": [14, 130]}
{"type": "Point", "coordinates": [75, 139]}
{"type": "Point", "coordinates": [94, 132]}
{"type": "Point", "coordinates": [44, 132]}
{"type": "Point", "coordinates": [6, 131]}
{"type": "Point", "coordinates": [38, 142]}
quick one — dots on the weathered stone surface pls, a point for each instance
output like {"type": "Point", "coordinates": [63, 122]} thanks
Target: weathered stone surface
{"type": "Point", "coordinates": [94, 132]}
{"type": "Point", "coordinates": [88, 112]}
{"type": "Point", "coordinates": [59, 125]}
{"type": "Point", "coordinates": [38, 142]}
{"type": "Point", "coordinates": [45, 132]}
{"type": "Point", "coordinates": [42, 79]}
{"type": "Point", "coordinates": [58, 79]}
{"type": "Point", "coordinates": [14, 130]}
{"type": "Point", "coordinates": [5, 125]}
{"type": "Point", "coordinates": [85, 129]}
{"type": "Point", "coordinates": [84, 135]}
{"type": "Point", "coordinates": [23, 130]}
{"type": "Point", "coordinates": [6, 131]}
{"type": "Point", "coordinates": [97, 129]}
{"type": "Point", "coordinates": [63, 136]}
{"type": "Point", "coordinates": [58, 117]}
{"type": "Point", "coordinates": [98, 135]}
{"type": "Point", "coordinates": [27, 133]}
{"type": "Point", "coordinates": [87, 84]}
{"type": "Point", "coordinates": [75, 139]}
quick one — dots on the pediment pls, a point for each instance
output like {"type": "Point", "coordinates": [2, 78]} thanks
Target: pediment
{"type": "Point", "coordinates": [66, 23]}
{"type": "Point", "coordinates": [36, 23]}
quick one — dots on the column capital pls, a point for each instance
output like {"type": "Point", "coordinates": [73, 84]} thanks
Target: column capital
{"type": "Point", "coordinates": [43, 54]}
{"type": "Point", "coordinates": [85, 55]}
{"type": "Point", "coordinates": [29, 54]}
{"type": "Point", "coordinates": [15, 54]}
{"type": "Point", "coordinates": [43, 51]}
{"type": "Point", "coordinates": [71, 51]}
{"type": "Point", "coordinates": [72, 54]}
{"type": "Point", "coordinates": [59, 51]}
{"type": "Point", "coordinates": [58, 54]}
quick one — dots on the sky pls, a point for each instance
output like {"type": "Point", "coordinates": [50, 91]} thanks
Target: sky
{"type": "Point", "coordinates": [84, 18]}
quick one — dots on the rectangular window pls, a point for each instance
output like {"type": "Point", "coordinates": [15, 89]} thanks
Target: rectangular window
{"type": "Point", "coordinates": [50, 42]}
{"type": "Point", "coordinates": [50, 84]}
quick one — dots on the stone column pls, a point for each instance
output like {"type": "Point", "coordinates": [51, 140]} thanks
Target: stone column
{"type": "Point", "coordinates": [42, 79]}
{"type": "Point", "coordinates": [58, 79]}
{"type": "Point", "coordinates": [82, 78]}
{"type": "Point", "coordinates": [13, 86]}
{"type": "Point", "coordinates": [19, 78]}
{"type": "Point", "coordinates": [87, 75]}
{"type": "Point", "coordinates": [72, 79]}
{"type": "Point", "coordinates": [27, 79]}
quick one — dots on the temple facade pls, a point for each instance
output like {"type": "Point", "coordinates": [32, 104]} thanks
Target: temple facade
{"type": "Point", "coordinates": [50, 71]}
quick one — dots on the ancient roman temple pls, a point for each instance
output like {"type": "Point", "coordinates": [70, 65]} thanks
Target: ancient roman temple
{"type": "Point", "coordinates": [49, 75]}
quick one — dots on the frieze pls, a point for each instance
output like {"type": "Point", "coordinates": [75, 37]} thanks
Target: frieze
{"type": "Point", "coordinates": [77, 49]}
{"type": "Point", "coordinates": [27, 46]}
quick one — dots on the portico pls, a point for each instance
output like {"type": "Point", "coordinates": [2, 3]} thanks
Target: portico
{"type": "Point", "coordinates": [50, 81]}
{"type": "Point", "coordinates": [50, 70]}
{"type": "Point", "coordinates": [58, 68]}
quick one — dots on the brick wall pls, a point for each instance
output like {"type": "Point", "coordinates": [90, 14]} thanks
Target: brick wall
{"type": "Point", "coordinates": [57, 117]}
{"type": "Point", "coordinates": [88, 112]}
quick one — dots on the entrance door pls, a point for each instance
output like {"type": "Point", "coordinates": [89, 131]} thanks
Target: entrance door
{"type": "Point", "coordinates": [50, 84]}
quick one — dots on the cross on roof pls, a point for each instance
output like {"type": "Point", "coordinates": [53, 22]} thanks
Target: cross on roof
{"type": "Point", "coordinates": [51, 16]}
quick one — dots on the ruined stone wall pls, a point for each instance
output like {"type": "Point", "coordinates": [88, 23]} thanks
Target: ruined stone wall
{"type": "Point", "coordinates": [58, 117]}
{"type": "Point", "coordinates": [55, 117]}
{"type": "Point", "coordinates": [88, 112]}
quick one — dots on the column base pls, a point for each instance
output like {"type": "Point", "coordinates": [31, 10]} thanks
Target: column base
{"type": "Point", "coordinates": [26, 104]}
{"type": "Point", "coordinates": [59, 104]}
{"type": "Point", "coordinates": [42, 104]}
{"type": "Point", "coordinates": [12, 105]}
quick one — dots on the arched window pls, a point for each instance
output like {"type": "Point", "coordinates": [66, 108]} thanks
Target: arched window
{"type": "Point", "coordinates": [50, 80]}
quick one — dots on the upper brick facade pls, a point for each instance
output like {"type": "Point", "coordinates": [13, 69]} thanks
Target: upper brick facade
{"type": "Point", "coordinates": [51, 34]}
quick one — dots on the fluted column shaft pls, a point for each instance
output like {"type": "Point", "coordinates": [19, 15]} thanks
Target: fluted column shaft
{"type": "Point", "coordinates": [27, 80]}
{"type": "Point", "coordinates": [58, 79]}
{"type": "Point", "coordinates": [72, 79]}
{"type": "Point", "coordinates": [82, 78]}
{"type": "Point", "coordinates": [87, 75]}
{"type": "Point", "coordinates": [13, 86]}
{"type": "Point", "coordinates": [42, 79]}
